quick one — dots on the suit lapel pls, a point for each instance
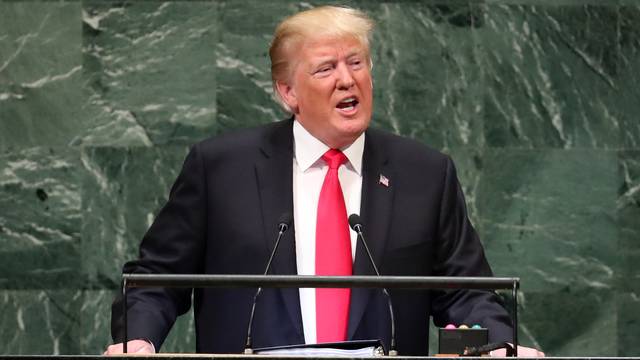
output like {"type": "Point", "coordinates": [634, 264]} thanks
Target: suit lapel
{"type": "Point", "coordinates": [274, 176]}
{"type": "Point", "coordinates": [376, 209]}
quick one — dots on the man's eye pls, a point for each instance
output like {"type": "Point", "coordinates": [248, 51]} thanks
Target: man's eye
{"type": "Point", "coordinates": [323, 71]}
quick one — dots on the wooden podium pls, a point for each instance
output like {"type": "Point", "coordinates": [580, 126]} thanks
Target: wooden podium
{"type": "Point", "coordinates": [265, 357]}
{"type": "Point", "coordinates": [298, 281]}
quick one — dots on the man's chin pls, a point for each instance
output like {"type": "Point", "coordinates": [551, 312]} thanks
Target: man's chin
{"type": "Point", "coordinates": [354, 126]}
{"type": "Point", "coordinates": [347, 135]}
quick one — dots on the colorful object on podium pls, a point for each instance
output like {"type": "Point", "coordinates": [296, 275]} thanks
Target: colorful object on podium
{"type": "Point", "coordinates": [453, 340]}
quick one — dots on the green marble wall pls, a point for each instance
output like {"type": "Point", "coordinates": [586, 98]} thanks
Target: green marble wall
{"type": "Point", "coordinates": [537, 101]}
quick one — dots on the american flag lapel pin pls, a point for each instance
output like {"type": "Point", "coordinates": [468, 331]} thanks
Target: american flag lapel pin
{"type": "Point", "coordinates": [383, 180]}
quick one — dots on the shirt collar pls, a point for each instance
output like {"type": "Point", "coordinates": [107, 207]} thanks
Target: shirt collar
{"type": "Point", "coordinates": [308, 150]}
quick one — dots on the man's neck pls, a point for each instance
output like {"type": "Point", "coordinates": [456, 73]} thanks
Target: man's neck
{"type": "Point", "coordinates": [308, 149]}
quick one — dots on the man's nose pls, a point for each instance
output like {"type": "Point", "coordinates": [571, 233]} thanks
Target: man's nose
{"type": "Point", "coordinates": [345, 78]}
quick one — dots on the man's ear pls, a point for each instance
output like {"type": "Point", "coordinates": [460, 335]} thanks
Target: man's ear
{"type": "Point", "coordinates": [288, 95]}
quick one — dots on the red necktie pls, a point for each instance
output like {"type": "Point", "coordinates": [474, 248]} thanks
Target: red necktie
{"type": "Point", "coordinates": [333, 253]}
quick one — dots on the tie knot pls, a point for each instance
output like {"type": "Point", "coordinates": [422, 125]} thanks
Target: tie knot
{"type": "Point", "coordinates": [334, 158]}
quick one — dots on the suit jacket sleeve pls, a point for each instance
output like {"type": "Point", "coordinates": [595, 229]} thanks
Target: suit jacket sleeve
{"type": "Point", "coordinates": [172, 245]}
{"type": "Point", "coordinates": [461, 254]}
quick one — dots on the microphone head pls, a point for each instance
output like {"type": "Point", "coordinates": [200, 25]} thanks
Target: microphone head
{"type": "Point", "coordinates": [284, 221]}
{"type": "Point", "coordinates": [354, 221]}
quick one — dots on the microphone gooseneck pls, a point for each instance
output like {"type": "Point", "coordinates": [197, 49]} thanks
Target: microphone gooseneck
{"type": "Point", "coordinates": [283, 225]}
{"type": "Point", "coordinates": [356, 224]}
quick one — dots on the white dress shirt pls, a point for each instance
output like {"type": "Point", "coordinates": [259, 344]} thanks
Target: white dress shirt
{"type": "Point", "coordinates": [309, 171]}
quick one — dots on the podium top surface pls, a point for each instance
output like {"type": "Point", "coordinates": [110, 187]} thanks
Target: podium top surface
{"type": "Point", "coordinates": [267, 357]}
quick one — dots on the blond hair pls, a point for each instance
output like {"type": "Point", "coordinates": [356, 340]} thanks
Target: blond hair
{"type": "Point", "coordinates": [324, 21]}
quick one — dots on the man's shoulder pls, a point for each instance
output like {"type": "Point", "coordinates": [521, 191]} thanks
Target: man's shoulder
{"type": "Point", "coordinates": [399, 147]}
{"type": "Point", "coordinates": [247, 140]}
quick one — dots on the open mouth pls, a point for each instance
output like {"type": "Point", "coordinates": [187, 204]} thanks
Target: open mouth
{"type": "Point", "coordinates": [348, 104]}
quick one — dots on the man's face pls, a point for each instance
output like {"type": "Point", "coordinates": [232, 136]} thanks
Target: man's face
{"type": "Point", "coordinates": [330, 89]}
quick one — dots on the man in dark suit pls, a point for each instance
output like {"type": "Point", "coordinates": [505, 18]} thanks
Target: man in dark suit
{"type": "Point", "coordinates": [222, 214]}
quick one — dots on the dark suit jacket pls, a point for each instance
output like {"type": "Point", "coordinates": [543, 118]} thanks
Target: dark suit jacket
{"type": "Point", "coordinates": [221, 219]}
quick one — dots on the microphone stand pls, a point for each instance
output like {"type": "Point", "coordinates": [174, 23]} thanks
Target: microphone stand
{"type": "Point", "coordinates": [356, 225]}
{"type": "Point", "coordinates": [283, 226]}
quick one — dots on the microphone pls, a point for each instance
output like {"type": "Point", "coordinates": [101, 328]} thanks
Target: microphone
{"type": "Point", "coordinates": [356, 225]}
{"type": "Point", "coordinates": [283, 225]}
